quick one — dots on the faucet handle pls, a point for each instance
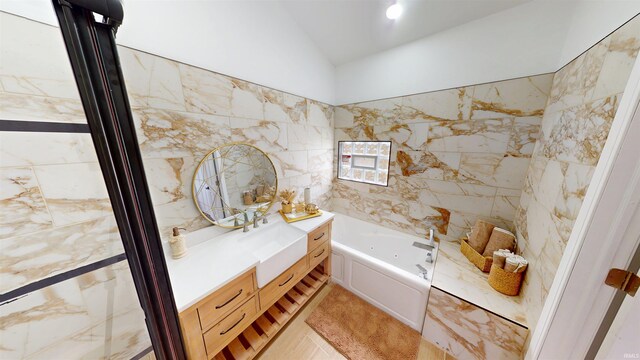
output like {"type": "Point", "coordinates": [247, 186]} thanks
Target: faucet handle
{"type": "Point", "coordinates": [264, 219]}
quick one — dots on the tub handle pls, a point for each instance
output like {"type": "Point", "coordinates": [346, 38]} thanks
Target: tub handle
{"type": "Point", "coordinates": [234, 325]}
{"type": "Point", "coordinates": [321, 252]}
{"type": "Point", "coordinates": [319, 237]}
{"type": "Point", "coordinates": [289, 279]}
{"type": "Point", "coordinates": [230, 300]}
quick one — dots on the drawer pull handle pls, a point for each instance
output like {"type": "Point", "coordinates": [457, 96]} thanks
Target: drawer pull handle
{"type": "Point", "coordinates": [289, 279]}
{"type": "Point", "coordinates": [234, 325]}
{"type": "Point", "coordinates": [319, 237]}
{"type": "Point", "coordinates": [321, 252]}
{"type": "Point", "coordinates": [230, 300]}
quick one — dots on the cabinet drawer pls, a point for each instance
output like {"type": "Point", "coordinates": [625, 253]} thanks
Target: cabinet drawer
{"type": "Point", "coordinates": [285, 281]}
{"type": "Point", "coordinates": [320, 253]}
{"type": "Point", "coordinates": [226, 299]}
{"type": "Point", "coordinates": [318, 236]}
{"type": "Point", "coordinates": [231, 326]}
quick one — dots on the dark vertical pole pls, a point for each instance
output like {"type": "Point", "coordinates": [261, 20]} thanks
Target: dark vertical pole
{"type": "Point", "coordinates": [94, 59]}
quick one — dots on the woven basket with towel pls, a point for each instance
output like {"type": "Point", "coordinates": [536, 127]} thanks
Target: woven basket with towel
{"type": "Point", "coordinates": [507, 272]}
{"type": "Point", "coordinates": [484, 239]}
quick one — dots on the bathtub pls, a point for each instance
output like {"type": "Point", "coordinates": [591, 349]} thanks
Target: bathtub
{"type": "Point", "coordinates": [379, 265]}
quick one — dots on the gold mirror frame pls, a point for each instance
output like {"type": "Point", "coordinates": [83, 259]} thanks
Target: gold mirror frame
{"type": "Point", "coordinates": [193, 182]}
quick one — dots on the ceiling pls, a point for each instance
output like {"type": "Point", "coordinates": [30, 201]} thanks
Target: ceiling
{"type": "Point", "coordinates": [345, 30]}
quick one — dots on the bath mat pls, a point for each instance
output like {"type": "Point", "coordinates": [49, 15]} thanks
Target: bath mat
{"type": "Point", "coordinates": [360, 331]}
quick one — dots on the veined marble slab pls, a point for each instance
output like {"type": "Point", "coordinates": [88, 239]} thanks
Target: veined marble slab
{"type": "Point", "coordinates": [469, 332]}
{"type": "Point", "coordinates": [456, 275]}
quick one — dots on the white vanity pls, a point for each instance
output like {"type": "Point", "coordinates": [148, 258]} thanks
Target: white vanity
{"type": "Point", "coordinates": [235, 290]}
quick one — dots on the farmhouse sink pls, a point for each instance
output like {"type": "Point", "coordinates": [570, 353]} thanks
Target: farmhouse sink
{"type": "Point", "coordinates": [277, 245]}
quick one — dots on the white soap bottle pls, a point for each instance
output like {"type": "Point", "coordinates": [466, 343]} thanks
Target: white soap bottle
{"type": "Point", "coordinates": [178, 244]}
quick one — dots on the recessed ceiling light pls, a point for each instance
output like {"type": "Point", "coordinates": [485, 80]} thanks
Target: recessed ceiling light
{"type": "Point", "coordinates": [394, 11]}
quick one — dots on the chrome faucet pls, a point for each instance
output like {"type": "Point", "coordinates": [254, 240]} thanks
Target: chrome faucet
{"type": "Point", "coordinates": [257, 218]}
{"type": "Point", "coordinates": [429, 247]}
{"type": "Point", "coordinates": [245, 225]}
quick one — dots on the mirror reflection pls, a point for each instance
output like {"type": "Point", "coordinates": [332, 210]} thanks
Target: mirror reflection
{"type": "Point", "coordinates": [233, 183]}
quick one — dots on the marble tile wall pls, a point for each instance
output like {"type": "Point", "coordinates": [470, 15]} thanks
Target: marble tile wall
{"type": "Point", "coordinates": [183, 112]}
{"type": "Point", "coordinates": [457, 155]}
{"type": "Point", "coordinates": [582, 104]}
{"type": "Point", "coordinates": [470, 332]}
{"type": "Point", "coordinates": [55, 215]}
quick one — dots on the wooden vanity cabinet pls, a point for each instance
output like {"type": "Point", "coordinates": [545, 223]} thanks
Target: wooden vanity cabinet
{"type": "Point", "coordinates": [238, 320]}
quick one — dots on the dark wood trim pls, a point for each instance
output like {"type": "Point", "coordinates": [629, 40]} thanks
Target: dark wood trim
{"type": "Point", "coordinates": [96, 67]}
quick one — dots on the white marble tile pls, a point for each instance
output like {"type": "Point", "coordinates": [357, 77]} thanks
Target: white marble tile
{"type": "Point", "coordinates": [290, 163]}
{"type": "Point", "coordinates": [454, 104]}
{"type": "Point", "coordinates": [63, 321]}
{"type": "Point", "coordinates": [283, 107]}
{"type": "Point", "coordinates": [319, 114]}
{"type": "Point", "coordinates": [493, 170]}
{"type": "Point", "coordinates": [368, 114]}
{"type": "Point", "coordinates": [205, 91]}
{"type": "Point", "coordinates": [40, 108]}
{"type": "Point", "coordinates": [247, 100]}
{"type": "Point", "coordinates": [526, 131]}
{"type": "Point", "coordinates": [575, 82]}
{"type": "Point", "coordinates": [182, 213]}
{"type": "Point", "coordinates": [517, 97]}
{"type": "Point", "coordinates": [45, 148]}
{"type": "Point", "coordinates": [299, 137]}
{"type": "Point", "coordinates": [152, 81]}
{"type": "Point", "coordinates": [170, 179]}
{"type": "Point", "coordinates": [34, 59]}
{"type": "Point", "coordinates": [480, 136]}
{"type": "Point", "coordinates": [505, 204]}
{"type": "Point", "coordinates": [22, 206]}
{"type": "Point", "coordinates": [580, 132]}
{"type": "Point", "coordinates": [266, 135]}
{"type": "Point", "coordinates": [35, 256]}
{"type": "Point", "coordinates": [618, 62]}
{"type": "Point", "coordinates": [320, 160]}
{"type": "Point", "coordinates": [73, 192]}
{"type": "Point", "coordinates": [469, 332]}
{"type": "Point", "coordinates": [575, 183]}
{"type": "Point", "coordinates": [166, 134]}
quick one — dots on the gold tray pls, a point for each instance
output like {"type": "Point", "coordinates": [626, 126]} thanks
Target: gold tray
{"type": "Point", "coordinates": [298, 216]}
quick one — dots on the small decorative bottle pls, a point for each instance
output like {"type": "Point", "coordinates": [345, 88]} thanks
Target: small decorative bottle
{"type": "Point", "coordinates": [178, 244]}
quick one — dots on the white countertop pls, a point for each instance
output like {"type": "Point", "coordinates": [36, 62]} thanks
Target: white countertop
{"type": "Point", "coordinates": [214, 258]}
{"type": "Point", "coordinates": [457, 276]}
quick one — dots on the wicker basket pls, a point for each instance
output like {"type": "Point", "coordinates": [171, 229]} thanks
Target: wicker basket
{"type": "Point", "coordinates": [481, 262]}
{"type": "Point", "coordinates": [507, 283]}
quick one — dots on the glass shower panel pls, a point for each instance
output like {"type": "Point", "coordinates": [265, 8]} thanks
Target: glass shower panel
{"type": "Point", "coordinates": [66, 290]}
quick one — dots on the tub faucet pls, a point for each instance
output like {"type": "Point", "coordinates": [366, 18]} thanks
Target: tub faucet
{"type": "Point", "coordinates": [431, 241]}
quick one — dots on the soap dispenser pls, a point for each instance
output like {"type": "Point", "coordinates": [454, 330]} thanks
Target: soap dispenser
{"type": "Point", "coordinates": [178, 244]}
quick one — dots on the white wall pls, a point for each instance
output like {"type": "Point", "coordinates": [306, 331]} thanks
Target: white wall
{"type": "Point", "coordinates": [533, 38]}
{"type": "Point", "coordinates": [255, 41]}
{"type": "Point", "coordinates": [584, 32]}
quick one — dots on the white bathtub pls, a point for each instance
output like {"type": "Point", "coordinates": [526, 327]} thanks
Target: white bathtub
{"type": "Point", "coordinates": [379, 265]}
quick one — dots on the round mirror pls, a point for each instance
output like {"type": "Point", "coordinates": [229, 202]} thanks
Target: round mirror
{"type": "Point", "coordinates": [233, 183]}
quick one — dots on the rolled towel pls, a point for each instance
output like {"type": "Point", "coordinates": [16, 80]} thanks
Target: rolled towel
{"type": "Point", "coordinates": [515, 264]}
{"type": "Point", "coordinates": [480, 236]}
{"type": "Point", "coordinates": [500, 239]}
{"type": "Point", "coordinates": [500, 256]}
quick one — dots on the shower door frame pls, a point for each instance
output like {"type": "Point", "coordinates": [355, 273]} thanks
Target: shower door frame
{"type": "Point", "coordinates": [96, 67]}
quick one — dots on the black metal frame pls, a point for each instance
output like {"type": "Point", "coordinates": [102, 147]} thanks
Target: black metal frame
{"type": "Point", "coordinates": [94, 59]}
